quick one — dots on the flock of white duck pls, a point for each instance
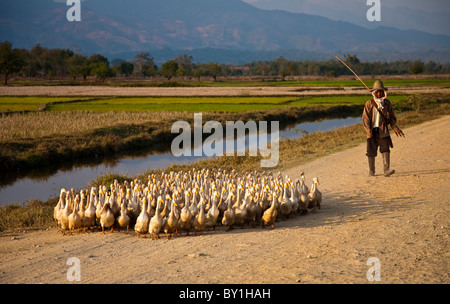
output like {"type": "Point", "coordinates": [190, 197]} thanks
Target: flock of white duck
{"type": "Point", "coordinates": [187, 201]}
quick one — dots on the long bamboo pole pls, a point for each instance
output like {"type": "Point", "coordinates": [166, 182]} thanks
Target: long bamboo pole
{"type": "Point", "coordinates": [352, 72]}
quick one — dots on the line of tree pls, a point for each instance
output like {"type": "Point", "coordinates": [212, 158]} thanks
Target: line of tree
{"type": "Point", "coordinates": [46, 63]}
{"type": "Point", "coordinates": [333, 68]}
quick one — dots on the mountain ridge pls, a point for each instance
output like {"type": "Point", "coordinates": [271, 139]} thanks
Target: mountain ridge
{"type": "Point", "coordinates": [112, 27]}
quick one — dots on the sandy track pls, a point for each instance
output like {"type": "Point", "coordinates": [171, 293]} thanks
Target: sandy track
{"type": "Point", "coordinates": [401, 220]}
{"type": "Point", "coordinates": [197, 91]}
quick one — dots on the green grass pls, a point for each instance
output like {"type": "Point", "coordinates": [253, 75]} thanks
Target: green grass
{"type": "Point", "coordinates": [175, 104]}
{"type": "Point", "coordinates": [209, 104]}
{"type": "Point", "coordinates": [14, 104]}
{"type": "Point", "coordinates": [178, 104]}
{"type": "Point", "coordinates": [342, 100]}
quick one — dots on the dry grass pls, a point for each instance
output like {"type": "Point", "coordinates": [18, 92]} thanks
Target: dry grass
{"type": "Point", "coordinates": [44, 124]}
{"type": "Point", "coordinates": [35, 214]}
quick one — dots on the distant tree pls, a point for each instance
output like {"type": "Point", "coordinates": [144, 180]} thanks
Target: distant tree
{"type": "Point", "coordinates": [199, 72]}
{"type": "Point", "coordinates": [278, 66]}
{"type": "Point", "coordinates": [416, 67]}
{"type": "Point", "coordinates": [76, 63]}
{"type": "Point", "coordinates": [169, 69]}
{"type": "Point", "coordinates": [57, 60]}
{"type": "Point", "coordinates": [351, 60]}
{"type": "Point", "coordinates": [98, 65]}
{"type": "Point", "coordinates": [185, 65]}
{"type": "Point", "coordinates": [10, 60]}
{"type": "Point", "coordinates": [181, 72]}
{"type": "Point", "coordinates": [283, 73]}
{"type": "Point", "coordinates": [126, 68]}
{"type": "Point", "coordinates": [102, 71]}
{"type": "Point", "coordinates": [263, 68]}
{"type": "Point", "coordinates": [85, 69]}
{"type": "Point", "coordinates": [291, 68]}
{"type": "Point", "coordinates": [144, 64]}
{"type": "Point", "coordinates": [97, 58]}
{"type": "Point", "coordinates": [432, 67]}
{"type": "Point", "coordinates": [214, 69]}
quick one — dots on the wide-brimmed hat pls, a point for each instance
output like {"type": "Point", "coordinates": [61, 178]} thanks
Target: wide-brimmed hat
{"type": "Point", "coordinates": [378, 85]}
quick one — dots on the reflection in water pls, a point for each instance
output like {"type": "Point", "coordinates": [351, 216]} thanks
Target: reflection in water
{"type": "Point", "coordinates": [45, 187]}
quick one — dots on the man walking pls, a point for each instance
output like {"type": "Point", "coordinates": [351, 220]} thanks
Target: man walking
{"type": "Point", "coordinates": [378, 114]}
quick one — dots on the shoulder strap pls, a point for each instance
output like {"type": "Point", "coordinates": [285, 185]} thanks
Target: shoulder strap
{"type": "Point", "coordinates": [381, 113]}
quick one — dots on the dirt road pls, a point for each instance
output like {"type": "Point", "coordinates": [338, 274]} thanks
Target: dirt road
{"type": "Point", "coordinates": [199, 91]}
{"type": "Point", "coordinates": [403, 221]}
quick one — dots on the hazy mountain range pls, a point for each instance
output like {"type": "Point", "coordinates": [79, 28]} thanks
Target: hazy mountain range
{"type": "Point", "coordinates": [428, 16]}
{"type": "Point", "coordinates": [221, 30]}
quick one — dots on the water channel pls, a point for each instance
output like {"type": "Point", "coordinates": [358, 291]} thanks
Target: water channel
{"type": "Point", "coordinates": [45, 187]}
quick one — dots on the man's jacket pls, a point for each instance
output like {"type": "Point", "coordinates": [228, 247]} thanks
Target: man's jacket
{"type": "Point", "coordinates": [388, 118]}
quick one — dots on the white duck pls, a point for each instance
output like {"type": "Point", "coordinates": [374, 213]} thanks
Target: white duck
{"type": "Point", "coordinates": [123, 220]}
{"type": "Point", "coordinates": [89, 213]}
{"type": "Point", "coordinates": [229, 216]}
{"type": "Point", "coordinates": [185, 221]}
{"type": "Point", "coordinates": [81, 208]}
{"type": "Point", "coordinates": [64, 218]}
{"type": "Point", "coordinates": [303, 197]}
{"type": "Point", "coordinates": [200, 220]}
{"type": "Point", "coordinates": [59, 208]}
{"type": "Point", "coordinates": [240, 212]}
{"type": "Point", "coordinates": [213, 213]}
{"type": "Point", "coordinates": [100, 203]}
{"type": "Point", "coordinates": [315, 196]}
{"type": "Point", "coordinates": [133, 205]}
{"type": "Point", "coordinates": [294, 200]}
{"type": "Point", "coordinates": [171, 222]}
{"type": "Point", "coordinates": [74, 217]}
{"type": "Point", "coordinates": [285, 206]}
{"type": "Point", "coordinates": [270, 215]}
{"type": "Point", "coordinates": [156, 221]}
{"type": "Point", "coordinates": [141, 226]}
{"type": "Point", "coordinates": [107, 218]}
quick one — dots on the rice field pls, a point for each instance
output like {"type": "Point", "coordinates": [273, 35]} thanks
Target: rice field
{"type": "Point", "coordinates": [175, 104]}
{"type": "Point", "coordinates": [179, 104]}
{"type": "Point", "coordinates": [66, 117]}
{"type": "Point", "coordinates": [14, 104]}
